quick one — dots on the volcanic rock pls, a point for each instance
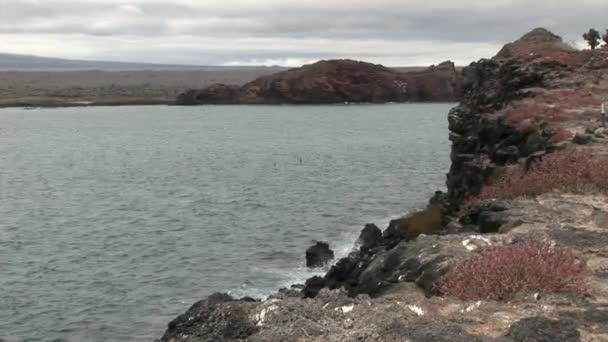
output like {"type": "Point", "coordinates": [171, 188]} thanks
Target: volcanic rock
{"type": "Point", "coordinates": [371, 237]}
{"type": "Point", "coordinates": [337, 81]}
{"type": "Point", "coordinates": [536, 43]}
{"type": "Point", "coordinates": [319, 255]}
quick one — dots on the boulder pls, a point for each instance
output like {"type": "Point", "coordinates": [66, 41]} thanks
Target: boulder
{"type": "Point", "coordinates": [534, 143]}
{"type": "Point", "coordinates": [582, 139]}
{"type": "Point", "coordinates": [488, 217]}
{"type": "Point", "coordinates": [319, 255]}
{"type": "Point", "coordinates": [313, 286]}
{"type": "Point", "coordinates": [370, 238]}
{"type": "Point", "coordinates": [219, 317]}
{"type": "Point", "coordinates": [392, 235]}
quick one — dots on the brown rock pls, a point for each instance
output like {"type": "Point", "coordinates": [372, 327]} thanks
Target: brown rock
{"type": "Point", "coordinates": [338, 81]}
{"type": "Point", "coordinates": [537, 43]}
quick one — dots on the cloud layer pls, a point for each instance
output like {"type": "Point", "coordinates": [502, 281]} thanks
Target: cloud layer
{"type": "Point", "coordinates": [393, 32]}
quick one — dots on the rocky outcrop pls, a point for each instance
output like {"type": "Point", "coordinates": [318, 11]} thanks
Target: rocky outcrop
{"type": "Point", "coordinates": [217, 318]}
{"type": "Point", "coordinates": [337, 81]}
{"type": "Point", "coordinates": [483, 137]}
{"type": "Point", "coordinates": [537, 43]}
{"type": "Point", "coordinates": [319, 255]}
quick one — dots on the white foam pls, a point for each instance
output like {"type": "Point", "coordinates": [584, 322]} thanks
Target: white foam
{"type": "Point", "coordinates": [298, 275]}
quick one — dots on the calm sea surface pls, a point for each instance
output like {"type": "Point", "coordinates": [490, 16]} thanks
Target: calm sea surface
{"type": "Point", "coordinates": [115, 220]}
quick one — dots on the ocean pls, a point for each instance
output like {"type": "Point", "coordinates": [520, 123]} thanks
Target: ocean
{"type": "Point", "coordinates": [113, 220]}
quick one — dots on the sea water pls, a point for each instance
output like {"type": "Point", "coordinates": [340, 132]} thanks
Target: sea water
{"type": "Point", "coordinates": [114, 220]}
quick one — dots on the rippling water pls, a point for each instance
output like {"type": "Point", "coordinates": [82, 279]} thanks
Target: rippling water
{"type": "Point", "coordinates": [114, 220]}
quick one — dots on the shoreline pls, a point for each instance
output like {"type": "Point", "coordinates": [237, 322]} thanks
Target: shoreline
{"type": "Point", "coordinates": [173, 103]}
{"type": "Point", "coordinates": [393, 286]}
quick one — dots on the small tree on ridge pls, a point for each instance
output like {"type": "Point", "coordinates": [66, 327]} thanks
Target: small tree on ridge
{"type": "Point", "coordinates": [605, 38]}
{"type": "Point", "coordinates": [593, 38]}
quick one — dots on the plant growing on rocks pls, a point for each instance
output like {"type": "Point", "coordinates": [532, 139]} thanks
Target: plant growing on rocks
{"type": "Point", "coordinates": [572, 171]}
{"type": "Point", "coordinates": [505, 271]}
{"type": "Point", "coordinates": [605, 38]}
{"type": "Point", "coordinates": [561, 134]}
{"type": "Point", "coordinates": [593, 38]}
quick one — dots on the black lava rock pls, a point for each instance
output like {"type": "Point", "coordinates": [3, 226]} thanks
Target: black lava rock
{"type": "Point", "coordinates": [206, 318]}
{"type": "Point", "coordinates": [534, 143]}
{"type": "Point", "coordinates": [370, 238]}
{"type": "Point", "coordinates": [319, 255]}
{"type": "Point", "coordinates": [313, 286]}
{"type": "Point", "coordinates": [582, 139]}
{"type": "Point", "coordinates": [541, 329]}
{"type": "Point", "coordinates": [508, 154]}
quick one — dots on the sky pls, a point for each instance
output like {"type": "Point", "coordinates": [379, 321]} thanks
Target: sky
{"type": "Point", "coordinates": [288, 32]}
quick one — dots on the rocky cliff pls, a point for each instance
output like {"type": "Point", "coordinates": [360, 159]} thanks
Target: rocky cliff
{"type": "Point", "coordinates": [514, 103]}
{"type": "Point", "coordinates": [337, 81]}
{"type": "Point", "coordinates": [517, 109]}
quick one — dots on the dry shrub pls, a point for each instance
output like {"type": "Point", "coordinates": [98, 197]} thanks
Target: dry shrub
{"type": "Point", "coordinates": [572, 171]}
{"type": "Point", "coordinates": [426, 221]}
{"type": "Point", "coordinates": [503, 272]}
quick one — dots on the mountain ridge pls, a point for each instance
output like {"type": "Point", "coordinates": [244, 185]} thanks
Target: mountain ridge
{"type": "Point", "coordinates": [24, 62]}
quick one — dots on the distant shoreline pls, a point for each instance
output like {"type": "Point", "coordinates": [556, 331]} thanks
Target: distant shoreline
{"type": "Point", "coordinates": [54, 105]}
{"type": "Point", "coordinates": [57, 104]}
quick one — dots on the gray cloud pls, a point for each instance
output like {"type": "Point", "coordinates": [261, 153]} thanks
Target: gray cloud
{"type": "Point", "coordinates": [244, 31]}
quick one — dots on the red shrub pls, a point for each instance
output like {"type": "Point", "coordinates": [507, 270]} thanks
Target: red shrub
{"type": "Point", "coordinates": [557, 106]}
{"type": "Point", "coordinates": [522, 268]}
{"type": "Point", "coordinates": [572, 171]}
{"type": "Point", "coordinates": [532, 111]}
{"type": "Point", "coordinates": [561, 134]}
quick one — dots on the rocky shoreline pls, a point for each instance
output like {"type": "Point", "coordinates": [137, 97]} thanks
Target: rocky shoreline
{"type": "Point", "coordinates": [537, 97]}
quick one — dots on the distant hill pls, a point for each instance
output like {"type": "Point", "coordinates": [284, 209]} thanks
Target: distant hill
{"type": "Point", "coordinates": [337, 81]}
{"type": "Point", "coordinates": [32, 81]}
{"type": "Point", "coordinates": [14, 62]}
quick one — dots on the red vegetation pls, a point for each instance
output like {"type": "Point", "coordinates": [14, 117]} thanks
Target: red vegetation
{"type": "Point", "coordinates": [561, 134]}
{"type": "Point", "coordinates": [572, 171]}
{"type": "Point", "coordinates": [558, 106]}
{"type": "Point", "coordinates": [505, 271]}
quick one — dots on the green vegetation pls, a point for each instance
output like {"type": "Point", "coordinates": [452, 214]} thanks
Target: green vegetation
{"type": "Point", "coordinates": [593, 38]}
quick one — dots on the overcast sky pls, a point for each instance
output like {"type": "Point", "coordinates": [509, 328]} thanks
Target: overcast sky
{"type": "Point", "coordinates": [288, 32]}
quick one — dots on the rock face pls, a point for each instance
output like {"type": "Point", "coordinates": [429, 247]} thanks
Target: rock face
{"type": "Point", "coordinates": [319, 255]}
{"type": "Point", "coordinates": [337, 81]}
{"type": "Point", "coordinates": [483, 138]}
